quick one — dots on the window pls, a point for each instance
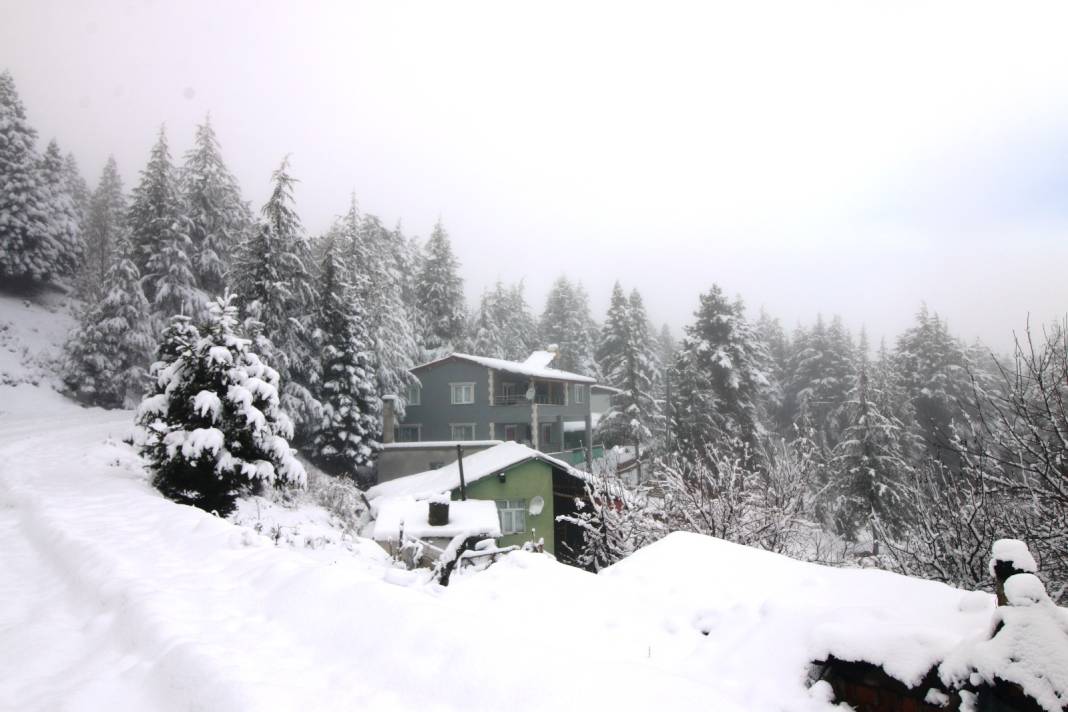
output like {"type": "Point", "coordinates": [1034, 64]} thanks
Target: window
{"type": "Point", "coordinates": [580, 394]}
{"type": "Point", "coordinates": [511, 433]}
{"type": "Point", "coordinates": [409, 433]}
{"type": "Point", "coordinates": [414, 396]}
{"type": "Point", "coordinates": [462, 393]}
{"type": "Point", "coordinates": [462, 431]}
{"type": "Point", "coordinates": [513, 514]}
{"type": "Point", "coordinates": [546, 434]}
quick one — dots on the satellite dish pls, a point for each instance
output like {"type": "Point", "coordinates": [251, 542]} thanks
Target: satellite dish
{"type": "Point", "coordinates": [530, 393]}
{"type": "Point", "coordinates": [536, 505]}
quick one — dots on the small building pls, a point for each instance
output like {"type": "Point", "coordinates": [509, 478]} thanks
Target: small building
{"type": "Point", "coordinates": [398, 519]}
{"type": "Point", "coordinates": [529, 488]}
{"type": "Point", "coordinates": [475, 400]}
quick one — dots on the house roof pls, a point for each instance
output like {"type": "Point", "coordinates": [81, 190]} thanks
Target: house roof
{"type": "Point", "coordinates": [475, 517]}
{"type": "Point", "coordinates": [540, 359]}
{"type": "Point", "coordinates": [528, 368]}
{"type": "Point", "coordinates": [476, 467]}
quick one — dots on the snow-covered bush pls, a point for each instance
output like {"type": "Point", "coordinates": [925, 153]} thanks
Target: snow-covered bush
{"type": "Point", "coordinates": [213, 427]}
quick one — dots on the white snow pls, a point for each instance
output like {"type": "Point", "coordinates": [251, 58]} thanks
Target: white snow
{"type": "Point", "coordinates": [473, 517]}
{"type": "Point", "coordinates": [431, 444]}
{"type": "Point", "coordinates": [1015, 552]}
{"type": "Point", "coordinates": [516, 367]}
{"type": "Point", "coordinates": [115, 598]}
{"type": "Point", "coordinates": [539, 359]}
{"type": "Point", "coordinates": [476, 466]}
{"type": "Point", "coordinates": [1028, 645]}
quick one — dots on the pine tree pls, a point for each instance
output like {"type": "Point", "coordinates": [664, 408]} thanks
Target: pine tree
{"type": "Point", "coordinates": [159, 231]}
{"type": "Point", "coordinates": [108, 354]}
{"type": "Point", "coordinates": [77, 189]}
{"type": "Point", "coordinates": [218, 217]}
{"type": "Point", "coordinates": [934, 369]}
{"type": "Point", "coordinates": [213, 428]}
{"type": "Point", "coordinates": [869, 462]}
{"type": "Point", "coordinates": [503, 327]}
{"type": "Point", "coordinates": [722, 359]}
{"type": "Point", "coordinates": [64, 222]}
{"type": "Point", "coordinates": [777, 346]}
{"type": "Point", "coordinates": [28, 257]}
{"type": "Point", "coordinates": [275, 294]}
{"type": "Point", "coordinates": [350, 431]}
{"type": "Point", "coordinates": [440, 293]}
{"type": "Point", "coordinates": [566, 322]}
{"type": "Point", "coordinates": [821, 374]}
{"type": "Point", "coordinates": [629, 361]}
{"type": "Point", "coordinates": [105, 227]}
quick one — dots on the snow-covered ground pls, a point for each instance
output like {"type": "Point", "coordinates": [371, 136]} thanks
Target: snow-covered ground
{"type": "Point", "coordinates": [115, 598]}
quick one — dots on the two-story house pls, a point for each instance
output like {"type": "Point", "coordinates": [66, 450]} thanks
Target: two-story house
{"type": "Point", "coordinates": [481, 401]}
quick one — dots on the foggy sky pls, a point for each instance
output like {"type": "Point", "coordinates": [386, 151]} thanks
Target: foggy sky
{"type": "Point", "coordinates": [811, 157]}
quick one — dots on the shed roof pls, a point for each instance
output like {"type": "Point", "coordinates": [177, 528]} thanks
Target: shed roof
{"type": "Point", "coordinates": [528, 368]}
{"type": "Point", "coordinates": [476, 467]}
{"type": "Point", "coordinates": [475, 517]}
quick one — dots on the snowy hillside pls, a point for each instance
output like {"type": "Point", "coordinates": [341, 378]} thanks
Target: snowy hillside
{"type": "Point", "coordinates": [31, 334]}
{"type": "Point", "coordinates": [137, 602]}
{"type": "Point", "coordinates": [115, 597]}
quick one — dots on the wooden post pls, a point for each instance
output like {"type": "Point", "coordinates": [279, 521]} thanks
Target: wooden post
{"type": "Point", "coordinates": [460, 465]}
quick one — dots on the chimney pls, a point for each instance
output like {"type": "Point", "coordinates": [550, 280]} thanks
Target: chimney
{"type": "Point", "coordinates": [438, 510]}
{"type": "Point", "coordinates": [389, 418]}
{"type": "Point", "coordinates": [1008, 558]}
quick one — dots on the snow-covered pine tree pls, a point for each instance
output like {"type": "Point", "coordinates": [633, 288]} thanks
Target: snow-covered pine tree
{"type": "Point", "coordinates": [722, 359]}
{"type": "Point", "coordinates": [108, 354]}
{"type": "Point", "coordinates": [566, 322]}
{"type": "Point", "coordinates": [822, 372]}
{"type": "Point", "coordinates": [276, 298]}
{"type": "Point", "coordinates": [77, 188]}
{"type": "Point", "coordinates": [869, 466]}
{"type": "Point", "coordinates": [159, 232]}
{"type": "Point", "coordinates": [27, 256]}
{"type": "Point", "coordinates": [777, 346]}
{"type": "Point", "coordinates": [218, 216]}
{"type": "Point", "coordinates": [503, 327]}
{"type": "Point", "coordinates": [214, 427]}
{"type": "Point", "coordinates": [628, 357]}
{"type": "Point", "coordinates": [440, 294]}
{"type": "Point", "coordinates": [350, 432]}
{"type": "Point", "coordinates": [105, 228]}
{"type": "Point", "coordinates": [64, 221]}
{"type": "Point", "coordinates": [934, 369]}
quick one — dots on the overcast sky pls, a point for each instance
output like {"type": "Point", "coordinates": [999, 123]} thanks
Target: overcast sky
{"type": "Point", "coordinates": [809, 156]}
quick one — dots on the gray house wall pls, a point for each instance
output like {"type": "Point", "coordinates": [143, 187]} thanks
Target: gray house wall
{"type": "Point", "coordinates": [436, 412]}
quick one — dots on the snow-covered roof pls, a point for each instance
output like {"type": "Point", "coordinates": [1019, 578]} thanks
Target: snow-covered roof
{"type": "Point", "coordinates": [475, 517]}
{"type": "Point", "coordinates": [436, 444]}
{"type": "Point", "coordinates": [540, 359]}
{"type": "Point", "coordinates": [476, 466]}
{"type": "Point", "coordinates": [607, 389]}
{"type": "Point", "coordinates": [529, 370]}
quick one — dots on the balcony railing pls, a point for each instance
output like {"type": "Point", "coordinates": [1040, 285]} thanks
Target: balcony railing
{"type": "Point", "coordinates": [521, 399]}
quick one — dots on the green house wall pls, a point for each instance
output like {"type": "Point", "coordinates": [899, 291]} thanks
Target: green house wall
{"type": "Point", "coordinates": [523, 481]}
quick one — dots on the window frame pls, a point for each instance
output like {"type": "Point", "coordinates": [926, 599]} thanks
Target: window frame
{"type": "Point", "coordinates": [546, 434]}
{"type": "Point", "coordinates": [580, 394]}
{"type": "Point", "coordinates": [460, 386]}
{"type": "Point", "coordinates": [418, 432]}
{"type": "Point", "coordinates": [417, 390]}
{"type": "Point", "coordinates": [508, 512]}
{"type": "Point", "coordinates": [452, 431]}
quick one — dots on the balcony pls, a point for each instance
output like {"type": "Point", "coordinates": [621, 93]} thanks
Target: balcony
{"type": "Point", "coordinates": [521, 399]}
